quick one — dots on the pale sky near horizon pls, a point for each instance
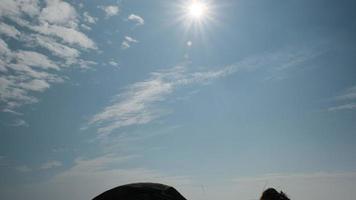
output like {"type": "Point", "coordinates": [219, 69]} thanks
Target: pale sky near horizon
{"type": "Point", "coordinates": [219, 100]}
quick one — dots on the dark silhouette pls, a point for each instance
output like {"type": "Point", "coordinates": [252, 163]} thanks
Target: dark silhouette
{"type": "Point", "coordinates": [272, 194]}
{"type": "Point", "coordinates": [141, 191]}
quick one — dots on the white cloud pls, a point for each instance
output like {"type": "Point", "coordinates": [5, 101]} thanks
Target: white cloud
{"type": "Point", "coordinates": [12, 95]}
{"type": "Point", "coordinates": [57, 19]}
{"type": "Point", "coordinates": [58, 12]}
{"type": "Point", "coordinates": [126, 43]}
{"type": "Point", "coordinates": [2, 66]}
{"type": "Point", "coordinates": [113, 63]}
{"type": "Point", "coordinates": [34, 59]}
{"type": "Point", "coordinates": [51, 164]}
{"type": "Point", "coordinates": [68, 35]}
{"type": "Point", "coordinates": [9, 31]}
{"type": "Point", "coordinates": [56, 48]}
{"type": "Point", "coordinates": [86, 64]}
{"type": "Point", "coordinates": [51, 25]}
{"type": "Point", "coordinates": [25, 73]}
{"type": "Point", "coordinates": [110, 10]}
{"type": "Point", "coordinates": [130, 39]}
{"type": "Point", "coordinates": [137, 19]}
{"type": "Point", "coordinates": [19, 7]}
{"type": "Point", "coordinates": [35, 85]}
{"type": "Point", "coordinates": [85, 27]}
{"type": "Point", "coordinates": [4, 49]}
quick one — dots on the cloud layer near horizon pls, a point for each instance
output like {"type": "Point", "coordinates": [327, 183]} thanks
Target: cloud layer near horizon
{"type": "Point", "coordinates": [90, 177]}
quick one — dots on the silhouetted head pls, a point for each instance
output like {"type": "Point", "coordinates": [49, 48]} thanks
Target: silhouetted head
{"type": "Point", "coordinates": [273, 194]}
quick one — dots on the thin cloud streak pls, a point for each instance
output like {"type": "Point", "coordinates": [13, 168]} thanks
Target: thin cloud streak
{"type": "Point", "coordinates": [349, 106]}
{"type": "Point", "coordinates": [23, 169]}
{"type": "Point", "coordinates": [346, 100]}
{"type": "Point", "coordinates": [348, 94]}
{"type": "Point", "coordinates": [19, 122]}
{"type": "Point", "coordinates": [51, 164]}
{"type": "Point", "coordinates": [138, 104]}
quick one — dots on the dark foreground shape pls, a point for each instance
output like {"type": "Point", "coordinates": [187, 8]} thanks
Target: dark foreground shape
{"type": "Point", "coordinates": [273, 194]}
{"type": "Point", "coordinates": [141, 191]}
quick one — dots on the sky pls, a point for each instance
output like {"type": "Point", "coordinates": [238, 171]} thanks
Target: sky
{"type": "Point", "coordinates": [221, 100]}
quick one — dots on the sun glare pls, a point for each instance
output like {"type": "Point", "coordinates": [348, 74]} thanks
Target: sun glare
{"type": "Point", "coordinates": [196, 16]}
{"type": "Point", "coordinates": [197, 9]}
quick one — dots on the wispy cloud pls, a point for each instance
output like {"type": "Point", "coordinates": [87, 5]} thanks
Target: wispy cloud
{"type": "Point", "coordinates": [23, 169]}
{"type": "Point", "coordinates": [45, 166]}
{"type": "Point", "coordinates": [348, 94]}
{"type": "Point", "coordinates": [19, 122]}
{"type": "Point", "coordinates": [126, 43]}
{"type": "Point", "coordinates": [138, 104]}
{"type": "Point", "coordinates": [52, 26]}
{"type": "Point", "coordinates": [136, 19]}
{"type": "Point", "coordinates": [6, 110]}
{"type": "Point", "coordinates": [291, 59]}
{"type": "Point", "coordinates": [346, 100]}
{"type": "Point", "coordinates": [51, 164]}
{"type": "Point", "coordinates": [348, 106]}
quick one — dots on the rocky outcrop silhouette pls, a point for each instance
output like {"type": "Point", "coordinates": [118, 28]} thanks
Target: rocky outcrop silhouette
{"type": "Point", "coordinates": [141, 191]}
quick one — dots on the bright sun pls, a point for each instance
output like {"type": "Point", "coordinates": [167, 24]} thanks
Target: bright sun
{"type": "Point", "coordinates": [197, 9]}
{"type": "Point", "coordinates": [196, 14]}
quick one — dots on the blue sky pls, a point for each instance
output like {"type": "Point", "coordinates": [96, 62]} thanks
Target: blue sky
{"type": "Point", "coordinates": [252, 94]}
